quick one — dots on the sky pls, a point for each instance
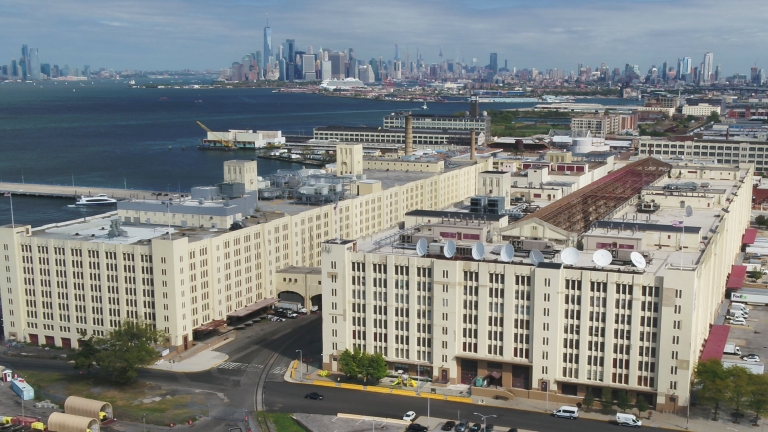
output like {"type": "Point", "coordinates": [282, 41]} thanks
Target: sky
{"type": "Point", "coordinates": [211, 34]}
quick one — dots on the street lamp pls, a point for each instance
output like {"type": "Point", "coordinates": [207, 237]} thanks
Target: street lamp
{"type": "Point", "coordinates": [485, 417]}
{"type": "Point", "coordinates": [418, 376]}
{"type": "Point", "coordinates": [301, 363]}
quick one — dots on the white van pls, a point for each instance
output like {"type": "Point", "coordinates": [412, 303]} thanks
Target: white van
{"type": "Point", "coordinates": [628, 420]}
{"type": "Point", "coordinates": [570, 412]}
{"type": "Point", "coordinates": [735, 313]}
{"type": "Point", "coordinates": [739, 306]}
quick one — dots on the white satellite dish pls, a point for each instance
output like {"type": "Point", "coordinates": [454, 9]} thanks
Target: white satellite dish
{"type": "Point", "coordinates": [602, 258]}
{"type": "Point", "coordinates": [421, 247]}
{"type": "Point", "coordinates": [638, 260]}
{"type": "Point", "coordinates": [450, 249]}
{"type": "Point", "coordinates": [569, 255]}
{"type": "Point", "coordinates": [536, 257]}
{"type": "Point", "coordinates": [688, 211]}
{"type": "Point", "coordinates": [478, 250]}
{"type": "Point", "coordinates": [507, 253]}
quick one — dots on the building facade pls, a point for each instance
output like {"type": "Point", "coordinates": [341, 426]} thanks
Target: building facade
{"type": "Point", "coordinates": [396, 136]}
{"type": "Point", "coordinates": [719, 151]}
{"type": "Point", "coordinates": [481, 123]}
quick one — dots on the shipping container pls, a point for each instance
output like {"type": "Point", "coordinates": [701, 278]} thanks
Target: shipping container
{"type": "Point", "coordinates": [754, 296]}
{"type": "Point", "coordinates": [24, 390]}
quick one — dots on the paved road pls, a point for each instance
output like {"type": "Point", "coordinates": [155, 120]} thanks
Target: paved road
{"type": "Point", "coordinates": [262, 352]}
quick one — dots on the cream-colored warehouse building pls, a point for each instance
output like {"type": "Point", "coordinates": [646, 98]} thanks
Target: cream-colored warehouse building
{"type": "Point", "coordinates": [568, 328]}
{"type": "Point", "coordinates": [63, 279]}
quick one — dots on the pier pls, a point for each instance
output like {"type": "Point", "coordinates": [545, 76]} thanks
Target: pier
{"type": "Point", "coordinates": [60, 191]}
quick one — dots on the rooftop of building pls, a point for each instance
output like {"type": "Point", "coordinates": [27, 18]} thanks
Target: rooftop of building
{"type": "Point", "coordinates": [418, 115]}
{"type": "Point", "coordinates": [391, 130]}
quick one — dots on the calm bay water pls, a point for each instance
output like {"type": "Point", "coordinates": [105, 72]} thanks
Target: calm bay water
{"type": "Point", "coordinates": [106, 134]}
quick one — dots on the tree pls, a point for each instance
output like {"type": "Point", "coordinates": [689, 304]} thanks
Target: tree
{"type": "Point", "coordinates": [129, 347]}
{"type": "Point", "coordinates": [739, 390]}
{"type": "Point", "coordinates": [755, 274]}
{"type": "Point", "coordinates": [713, 117]}
{"type": "Point", "coordinates": [760, 220]}
{"type": "Point", "coordinates": [373, 367]}
{"type": "Point", "coordinates": [589, 399]}
{"type": "Point", "coordinates": [641, 404]}
{"type": "Point", "coordinates": [88, 353]}
{"type": "Point", "coordinates": [622, 401]}
{"type": "Point", "coordinates": [607, 397]}
{"type": "Point", "coordinates": [713, 381]}
{"type": "Point", "coordinates": [349, 362]}
{"type": "Point", "coordinates": [758, 396]}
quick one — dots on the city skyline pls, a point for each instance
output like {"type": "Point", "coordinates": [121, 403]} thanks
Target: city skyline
{"type": "Point", "coordinates": [553, 34]}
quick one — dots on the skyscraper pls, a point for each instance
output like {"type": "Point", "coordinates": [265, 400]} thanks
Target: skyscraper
{"type": "Point", "coordinates": [707, 69]}
{"type": "Point", "coordinates": [494, 63]}
{"type": "Point", "coordinates": [267, 45]}
{"type": "Point", "coordinates": [664, 70]}
{"type": "Point", "coordinates": [338, 62]}
{"type": "Point", "coordinates": [24, 62]}
{"type": "Point", "coordinates": [34, 64]}
{"type": "Point", "coordinates": [291, 46]}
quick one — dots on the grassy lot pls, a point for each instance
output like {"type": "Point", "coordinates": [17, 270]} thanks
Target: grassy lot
{"type": "Point", "coordinates": [174, 406]}
{"type": "Point", "coordinates": [283, 422]}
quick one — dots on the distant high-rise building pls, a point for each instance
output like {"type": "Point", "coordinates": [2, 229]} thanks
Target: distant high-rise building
{"type": "Point", "coordinates": [338, 65]}
{"type": "Point", "coordinates": [14, 69]}
{"type": "Point", "coordinates": [760, 76]}
{"type": "Point", "coordinates": [717, 73]}
{"type": "Point", "coordinates": [325, 69]}
{"type": "Point", "coordinates": [375, 69]}
{"type": "Point", "coordinates": [664, 70]}
{"type": "Point", "coordinates": [707, 69]}
{"type": "Point", "coordinates": [282, 66]}
{"type": "Point", "coordinates": [87, 71]}
{"type": "Point", "coordinates": [290, 45]}
{"type": "Point", "coordinates": [397, 70]}
{"type": "Point", "coordinates": [309, 51]}
{"type": "Point", "coordinates": [267, 46]}
{"type": "Point", "coordinates": [753, 75]}
{"type": "Point", "coordinates": [34, 64]}
{"type": "Point", "coordinates": [686, 67]}
{"type": "Point", "coordinates": [25, 69]}
{"type": "Point", "coordinates": [494, 63]}
{"type": "Point", "coordinates": [308, 67]}
{"type": "Point", "coordinates": [259, 60]}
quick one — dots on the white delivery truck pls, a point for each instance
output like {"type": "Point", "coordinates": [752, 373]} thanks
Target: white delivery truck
{"type": "Point", "coordinates": [732, 349]}
{"type": "Point", "coordinates": [738, 313]}
{"type": "Point", "coordinates": [628, 420]}
{"type": "Point", "coordinates": [739, 306]}
{"type": "Point", "coordinates": [753, 296]}
{"type": "Point", "coordinates": [755, 368]}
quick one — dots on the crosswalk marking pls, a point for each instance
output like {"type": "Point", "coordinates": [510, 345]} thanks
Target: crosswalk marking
{"type": "Point", "coordinates": [279, 370]}
{"type": "Point", "coordinates": [239, 366]}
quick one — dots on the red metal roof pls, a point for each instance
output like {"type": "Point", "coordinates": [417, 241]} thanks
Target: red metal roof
{"type": "Point", "coordinates": [749, 237]}
{"type": "Point", "coordinates": [715, 345]}
{"type": "Point", "coordinates": [736, 278]}
{"type": "Point", "coordinates": [256, 306]}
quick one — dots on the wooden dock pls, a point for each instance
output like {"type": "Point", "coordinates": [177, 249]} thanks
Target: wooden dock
{"type": "Point", "coordinates": [59, 191]}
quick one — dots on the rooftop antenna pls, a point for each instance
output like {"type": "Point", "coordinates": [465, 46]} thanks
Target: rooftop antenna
{"type": "Point", "coordinates": [602, 258]}
{"type": "Point", "coordinates": [507, 252]}
{"type": "Point", "coordinates": [421, 247]}
{"type": "Point", "coordinates": [569, 256]}
{"type": "Point", "coordinates": [478, 250]}
{"type": "Point", "coordinates": [450, 249]}
{"type": "Point", "coordinates": [638, 260]}
{"type": "Point", "coordinates": [536, 257]}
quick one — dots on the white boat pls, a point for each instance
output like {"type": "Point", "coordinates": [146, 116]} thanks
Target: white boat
{"type": "Point", "coordinates": [98, 200]}
{"type": "Point", "coordinates": [424, 106]}
{"type": "Point", "coordinates": [131, 82]}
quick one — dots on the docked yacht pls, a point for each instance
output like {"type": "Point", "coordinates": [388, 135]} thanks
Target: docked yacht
{"type": "Point", "coordinates": [98, 200]}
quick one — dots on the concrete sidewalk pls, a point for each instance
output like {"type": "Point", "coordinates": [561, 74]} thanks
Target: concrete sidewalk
{"type": "Point", "coordinates": [202, 361]}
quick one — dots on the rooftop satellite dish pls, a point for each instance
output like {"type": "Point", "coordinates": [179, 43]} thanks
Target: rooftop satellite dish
{"type": "Point", "coordinates": [450, 249]}
{"type": "Point", "coordinates": [602, 258]}
{"type": "Point", "coordinates": [507, 253]}
{"type": "Point", "coordinates": [421, 247]}
{"type": "Point", "coordinates": [478, 250]}
{"type": "Point", "coordinates": [688, 211]}
{"type": "Point", "coordinates": [569, 255]}
{"type": "Point", "coordinates": [536, 257]}
{"type": "Point", "coordinates": [638, 260]}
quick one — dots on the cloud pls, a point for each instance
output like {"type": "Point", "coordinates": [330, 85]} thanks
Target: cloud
{"type": "Point", "coordinates": [174, 34]}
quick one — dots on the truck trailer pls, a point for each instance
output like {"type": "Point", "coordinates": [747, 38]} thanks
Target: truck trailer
{"type": "Point", "coordinates": [752, 296]}
{"type": "Point", "coordinates": [732, 349]}
{"type": "Point", "coordinates": [755, 368]}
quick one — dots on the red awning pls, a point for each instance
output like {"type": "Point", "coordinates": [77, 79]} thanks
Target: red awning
{"type": "Point", "coordinates": [715, 345]}
{"type": "Point", "coordinates": [256, 306]}
{"type": "Point", "coordinates": [736, 278]}
{"type": "Point", "coordinates": [749, 237]}
{"type": "Point", "coordinates": [205, 328]}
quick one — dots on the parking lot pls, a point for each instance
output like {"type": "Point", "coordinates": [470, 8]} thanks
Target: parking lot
{"type": "Point", "coordinates": [751, 338]}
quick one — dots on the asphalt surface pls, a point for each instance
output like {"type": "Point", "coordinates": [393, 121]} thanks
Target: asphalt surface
{"type": "Point", "coordinates": [263, 352]}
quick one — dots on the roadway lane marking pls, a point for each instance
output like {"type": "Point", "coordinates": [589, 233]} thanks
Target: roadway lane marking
{"type": "Point", "coordinates": [239, 366]}
{"type": "Point", "coordinates": [279, 370]}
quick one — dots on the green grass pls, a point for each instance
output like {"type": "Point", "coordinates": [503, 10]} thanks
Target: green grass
{"type": "Point", "coordinates": [283, 422]}
{"type": "Point", "coordinates": [125, 399]}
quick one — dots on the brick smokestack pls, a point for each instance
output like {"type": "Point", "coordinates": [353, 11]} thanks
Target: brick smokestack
{"type": "Point", "coordinates": [408, 135]}
{"type": "Point", "coordinates": [472, 146]}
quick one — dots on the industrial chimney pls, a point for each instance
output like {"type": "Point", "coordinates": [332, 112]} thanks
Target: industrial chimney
{"type": "Point", "coordinates": [408, 135]}
{"type": "Point", "coordinates": [472, 146]}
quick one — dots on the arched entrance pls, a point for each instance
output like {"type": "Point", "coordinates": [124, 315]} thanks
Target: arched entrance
{"type": "Point", "coordinates": [292, 297]}
{"type": "Point", "coordinates": [317, 301]}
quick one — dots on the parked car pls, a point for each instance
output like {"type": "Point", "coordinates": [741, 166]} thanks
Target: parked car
{"type": "Point", "coordinates": [415, 427]}
{"type": "Point", "coordinates": [475, 427]}
{"type": "Point", "coordinates": [313, 395]}
{"type": "Point", "coordinates": [409, 416]}
{"type": "Point", "coordinates": [737, 321]}
{"type": "Point", "coordinates": [487, 428]}
{"type": "Point", "coordinates": [628, 420]}
{"type": "Point", "coordinates": [569, 412]}
{"type": "Point", "coordinates": [462, 426]}
{"type": "Point", "coordinates": [751, 358]}
{"type": "Point", "coordinates": [449, 425]}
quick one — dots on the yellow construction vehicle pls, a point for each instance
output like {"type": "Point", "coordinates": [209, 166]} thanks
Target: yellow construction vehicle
{"type": "Point", "coordinates": [225, 144]}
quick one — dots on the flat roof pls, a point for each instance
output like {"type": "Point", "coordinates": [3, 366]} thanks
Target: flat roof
{"type": "Point", "coordinates": [261, 304]}
{"type": "Point", "coordinates": [454, 215]}
{"type": "Point", "coordinates": [736, 278]}
{"type": "Point", "coordinates": [749, 237]}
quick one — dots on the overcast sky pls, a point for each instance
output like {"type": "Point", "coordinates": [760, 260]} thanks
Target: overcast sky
{"type": "Point", "coordinates": [202, 34]}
